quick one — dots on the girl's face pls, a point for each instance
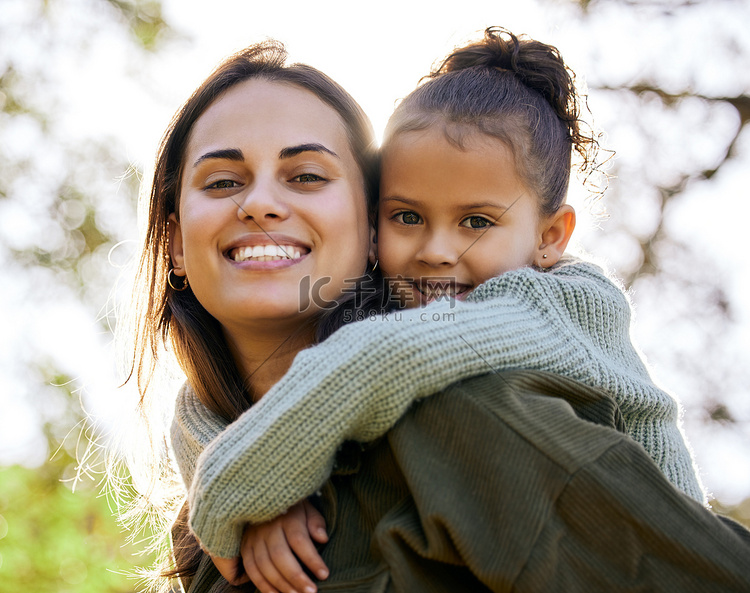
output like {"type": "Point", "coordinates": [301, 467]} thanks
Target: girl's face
{"type": "Point", "coordinates": [272, 217]}
{"type": "Point", "coordinates": [449, 219]}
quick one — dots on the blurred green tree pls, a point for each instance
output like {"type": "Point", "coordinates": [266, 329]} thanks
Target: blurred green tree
{"type": "Point", "coordinates": [677, 113]}
{"type": "Point", "coordinates": [57, 539]}
{"type": "Point", "coordinates": [67, 196]}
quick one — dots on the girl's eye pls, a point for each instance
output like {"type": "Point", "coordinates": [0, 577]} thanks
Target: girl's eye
{"type": "Point", "coordinates": [408, 217]}
{"type": "Point", "coordinates": [476, 222]}
{"type": "Point", "coordinates": [222, 184]}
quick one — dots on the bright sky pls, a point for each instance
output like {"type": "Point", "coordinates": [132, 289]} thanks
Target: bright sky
{"type": "Point", "coordinates": [378, 52]}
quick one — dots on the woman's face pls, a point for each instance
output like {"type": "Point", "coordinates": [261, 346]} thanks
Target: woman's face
{"type": "Point", "coordinates": [450, 218]}
{"type": "Point", "coordinates": [272, 215]}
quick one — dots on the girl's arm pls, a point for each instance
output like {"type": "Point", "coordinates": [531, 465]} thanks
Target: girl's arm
{"type": "Point", "coordinates": [359, 382]}
{"type": "Point", "coordinates": [286, 541]}
{"type": "Point", "coordinates": [194, 426]}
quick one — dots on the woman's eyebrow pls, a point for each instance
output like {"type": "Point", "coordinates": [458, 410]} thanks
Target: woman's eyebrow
{"type": "Point", "coordinates": [230, 154]}
{"type": "Point", "coordinates": [291, 151]}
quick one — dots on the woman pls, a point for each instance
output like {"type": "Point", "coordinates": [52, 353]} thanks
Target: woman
{"type": "Point", "coordinates": [220, 276]}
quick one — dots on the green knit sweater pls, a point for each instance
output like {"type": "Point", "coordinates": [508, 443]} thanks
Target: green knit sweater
{"type": "Point", "coordinates": [570, 320]}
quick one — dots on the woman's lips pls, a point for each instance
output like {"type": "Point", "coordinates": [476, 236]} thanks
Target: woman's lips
{"type": "Point", "coordinates": [266, 252]}
{"type": "Point", "coordinates": [266, 247]}
{"type": "Point", "coordinates": [262, 253]}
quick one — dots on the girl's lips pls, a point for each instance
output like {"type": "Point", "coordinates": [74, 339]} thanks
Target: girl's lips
{"type": "Point", "coordinates": [424, 291]}
{"type": "Point", "coordinates": [441, 288]}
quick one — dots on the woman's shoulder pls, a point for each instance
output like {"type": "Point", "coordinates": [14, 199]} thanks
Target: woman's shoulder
{"type": "Point", "coordinates": [546, 415]}
{"type": "Point", "coordinates": [493, 392]}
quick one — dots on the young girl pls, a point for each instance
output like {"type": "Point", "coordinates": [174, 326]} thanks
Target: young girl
{"type": "Point", "coordinates": [475, 170]}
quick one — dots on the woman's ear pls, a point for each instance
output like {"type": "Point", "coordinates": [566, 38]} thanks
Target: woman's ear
{"type": "Point", "coordinates": [176, 254]}
{"type": "Point", "coordinates": [556, 232]}
{"type": "Point", "coordinates": [373, 253]}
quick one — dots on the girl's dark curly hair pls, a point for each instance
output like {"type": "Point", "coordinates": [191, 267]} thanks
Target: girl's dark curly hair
{"type": "Point", "coordinates": [517, 90]}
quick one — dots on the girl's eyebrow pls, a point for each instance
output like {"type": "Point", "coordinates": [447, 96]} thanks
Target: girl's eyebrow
{"type": "Point", "coordinates": [230, 154]}
{"type": "Point", "coordinates": [292, 151]}
{"type": "Point", "coordinates": [400, 199]}
{"type": "Point", "coordinates": [460, 207]}
{"type": "Point", "coordinates": [480, 205]}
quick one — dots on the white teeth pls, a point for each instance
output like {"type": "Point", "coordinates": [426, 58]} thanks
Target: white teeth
{"type": "Point", "coordinates": [267, 253]}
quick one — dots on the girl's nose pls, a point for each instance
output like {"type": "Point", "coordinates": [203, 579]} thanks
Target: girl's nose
{"type": "Point", "coordinates": [439, 250]}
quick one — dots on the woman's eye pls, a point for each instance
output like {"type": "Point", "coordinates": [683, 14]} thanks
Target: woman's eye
{"type": "Point", "coordinates": [408, 217]}
{"type": "Point", "coordinates": [222, 184]}
{"type": "Point", "coordinates": [308, 178]}
{"type": "Point", "coordinates": [476, 222]}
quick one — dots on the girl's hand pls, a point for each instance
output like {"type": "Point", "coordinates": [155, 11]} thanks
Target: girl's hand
{"type": "Point", "coordinates": [231, 569]}
{"type": "Point", "coordinates": [268, 551]}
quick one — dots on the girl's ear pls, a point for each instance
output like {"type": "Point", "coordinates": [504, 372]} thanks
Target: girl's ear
{"type": "Point", "coordinates": [556, 232]}
{"type": "Point", "coordinates": [176, 254]}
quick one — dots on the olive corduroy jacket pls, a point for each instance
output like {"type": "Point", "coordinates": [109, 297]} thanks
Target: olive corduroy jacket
{"type": "Point", "coordinates": [518, 481]}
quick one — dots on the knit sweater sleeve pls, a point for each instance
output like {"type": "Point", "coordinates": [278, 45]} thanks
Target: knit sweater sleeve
{"type": "Point", "coordinates": [358, 383]}
{"type": "Point", "coordinates": [194, 426]}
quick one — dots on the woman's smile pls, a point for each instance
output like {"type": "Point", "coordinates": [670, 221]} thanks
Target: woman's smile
{"type": "Point", "coordinates": [271, 197]}
{"type": "Point", "coordinates": [262, 251]}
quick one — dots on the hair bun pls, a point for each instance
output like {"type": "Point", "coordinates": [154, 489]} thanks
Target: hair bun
{"type": "Point", "coordinates": [498, 49]}
{"type": "Point", "coordinates": [537, 65]}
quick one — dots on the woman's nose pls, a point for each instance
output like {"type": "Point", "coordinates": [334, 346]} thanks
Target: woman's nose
{"type": "Point", "coordinates": [262, 202]}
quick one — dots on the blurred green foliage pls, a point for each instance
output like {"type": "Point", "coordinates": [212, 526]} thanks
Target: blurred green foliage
{"type": "Point", "coordinates": [144, 20]}
{"type": "Point", "coordinates": [58, 532]}
{"type": "Point", "coordinates": [54, 540]}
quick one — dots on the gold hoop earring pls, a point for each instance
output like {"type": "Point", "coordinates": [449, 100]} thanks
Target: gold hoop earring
{"type": "Point", "coordinates": [185, 283]}
{"type": "Point", "coordinates": [375, 267]}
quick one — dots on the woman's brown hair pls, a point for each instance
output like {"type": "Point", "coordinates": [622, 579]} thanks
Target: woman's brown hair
{"type": "Point", "coordinates": [167, 317]}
